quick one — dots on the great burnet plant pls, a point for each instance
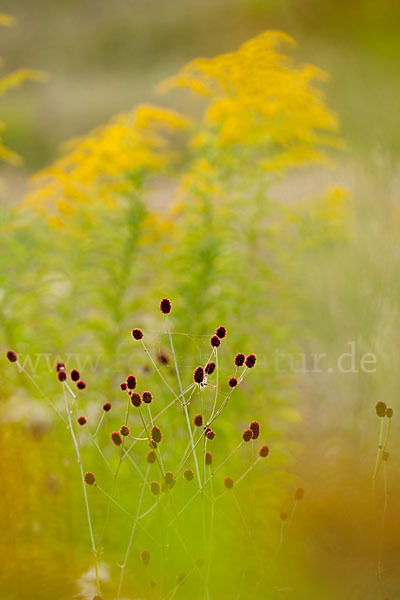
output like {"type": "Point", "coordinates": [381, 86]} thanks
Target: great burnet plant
{"type": "Point", "coordinates": [182, 471]}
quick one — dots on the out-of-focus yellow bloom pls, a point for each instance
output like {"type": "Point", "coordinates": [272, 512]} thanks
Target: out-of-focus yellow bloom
{"type": "Point", "coordinates": [12, 81]}
{"type": "Point", "coordinates": [98, 169]}
{"type": "Point", "coordinates": [259, 101]}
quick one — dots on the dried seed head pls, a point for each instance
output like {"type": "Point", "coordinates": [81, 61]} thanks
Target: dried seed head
{"type": "Point", "coordinates": [74, 375]}
{"type": "Point", "coordinates": [165, 306]}
{"type": "Point", "coordinates": [145, 557]}
{"type": "Point", "coordinates": [380, 409]}
{"type": "Point", "coordinates": [107, 406]}
{"type": "Point", "coordinates": [169, 477]}
{"type": "Point", "coordinates": [229, 482]}
{"type": "Point", "coordinates": [264, 451]}
{"type": "Point", "coordinates": [220, 332]}
{"type": "Point", "coordinates": [198, 420]}
{"type": "Point", "coordinates": [188, 474]}
{"type": "Point", "coordinates": [155, 488]}
{"type": "Point", "coordinates": [198, 374]}
{"type": "Point", "coordinates": [97, 597]}
{"type": "Point", "coordinates": [255, 428]}
{"type": "Point", "coordinates": [233, 382]}
{"type": "Point", "coordinates": [250, 361]}
{"type": "Point", "coordinates": [137, 334]}
{"type": "Point", "coordinates": [151, 457]}
{"type": "Point", "coordinates": [215, 341]}
{"type": "Point", "coordinates": [299, 494]}
{"type": "Point", "coordinates": [81, 385]}
{"type": "Point", "coordinates": [62, 376]}
{"type": "Point", "coordinates": [210, 434]}
{"type": "Point", "coordinates": [385, 456]}
{"type": "Point", "coordinates": [116, 438]}
{"type": "Point", "coordinates": [239, 359]}
{"type": "Point", "coordinates": [89, 478]}
{"type": "Point", "coordinates": [82, 421]}
{"type": "Point", "coordinates": [123, 386]}
{"type": "Point", "coordinates": [247, 435]}
{"type": "Point", "coordinates": [12, 356]}
{"type": "Point", "coordinates": [389, 412]}
{"type": "Point", "coordinates": [283, 516]}
{"type": "Point", "coordinates": [153, 583]}
{"type": "Point", "coordinates": [209, 458]}
{"type": "Point", "coordinates": [180, 578]}
{"type": "Point", "coordinates": [210, 368]}
{"type": "Point", "coordinates": [147, 397]}
{"type": "Point", "coordinates": [124, 430]}
{"type": "Point", "coordinates": [131, 382]}
{"type": "Point", "coordinates": [60, 366]}
{"type": "Point", "coordinates": [136, 400]}
{"type": "Point", "coordinates": [156, 434]}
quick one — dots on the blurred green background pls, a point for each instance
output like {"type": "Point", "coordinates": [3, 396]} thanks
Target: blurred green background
{"type": "Point", "coordinates": [323, 293]}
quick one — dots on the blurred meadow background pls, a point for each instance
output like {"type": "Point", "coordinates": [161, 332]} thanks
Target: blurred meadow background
{"type": "Point", "coordinates": [238, 208]}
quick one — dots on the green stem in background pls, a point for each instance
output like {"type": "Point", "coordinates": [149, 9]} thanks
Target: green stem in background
{"type": "Point", "coordinates": [184, 403]}
{"type": "Point", "coordinates": [78, 456]}
{"type": "Point", "coordinates": [379, 448]}
{"type": "Point", "coordinates": [123, 566]}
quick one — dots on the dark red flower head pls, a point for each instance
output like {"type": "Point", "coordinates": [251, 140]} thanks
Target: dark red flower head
{"type": "Point", "coordinates": [299, 494]}
{"type": "Point", "coordinates": [210, 434]}
{"type": "Point", "coordinates": [188, 474]}
{"type": "Point", "coordinates": [239, 359]}
{"type": "Point", "coordinates": [156, 434]}
{"type": "Point", "coordinates": [136, 399]}
{"type": "Point", "coordinates": [137, 334]}
{"type": "Point", "coordinates": [263, 452]}
{"type": "Point", "coordinates": [151, 457]}
{"type": "Point", "coordinates": [12, 356]}
{"type": "Point", "coordinates": [169, 477]}
{"type": "Point", "coordinates": [247, 435]}
{"type": "Point", "coordinates": [220, 332]}
{"type": "Point", "coordinates": [82, 421]}
{"type": "Point", "coordinates": [75, 375]}
{"type": "Point", "coordinates": [155, 488]}
{"type": "Point", "coordinates": [145, 557]}
{"type": "Point", "coordinates": [147, 397]}
{"type": "Point", "coordinates": [89, 478]}
{"type": "Point", "coordinates": [209, 458]}
{"type": "Point", "coordinates": [198, 374]}
{"type": "Point", "coordinates": [198, 420]}
{"type": "Point", "coordinates": [123, 386]}
{"type": "Point", "coordinates": [163, 358]}
{"type": "Point", "coordinates": [255, 428]}
{"type": "Point", "coordinates": [107, 406]}
{"type": "Point", "coordinates": [283, 516]}
{"type": "Point", "coordinates": [60, 366]}
{"type": "Point", "coordinates": [250, 361]}
{"type": "Point", "coordinates": [80, 384]}
{"type": "Point", "coordinates": [380, 409]}
{"type": "Point", "coordinates": [62, 376]}
{"type": "Point", "coordinates": [165, 306]}
{"type": "Point", "coordinates": [210, 368]}
{"type": "Point", "coordinates": [215, 341]}
{"type": "Point", "coordinates": [389, 413]}
{"type": "Point", "coordinates": [233, 382]}
{"type": "Point", "coordinates": [116, 438]}
{"type": "Point", "coordinates": [229, 482]}
{"type": "Point", "coordinates": [131, 382]}
{"type": "Point", "coordinates": [124, 430]}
